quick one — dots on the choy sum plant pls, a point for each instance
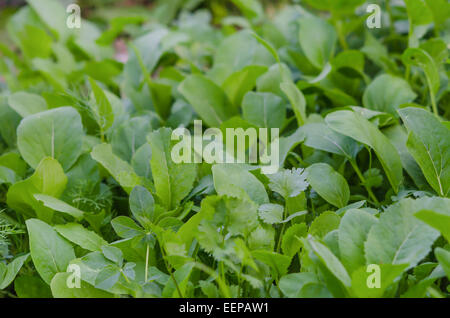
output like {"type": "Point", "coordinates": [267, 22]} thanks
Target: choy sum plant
{"type": "Point", "coordinates": [353, 118]}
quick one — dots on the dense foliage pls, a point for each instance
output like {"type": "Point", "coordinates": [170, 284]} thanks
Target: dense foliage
{"type": "Point", "coordinates": [88, 184]}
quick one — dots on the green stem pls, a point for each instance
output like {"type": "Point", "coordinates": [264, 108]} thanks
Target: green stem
{"type": "Point", "coordinates": [146, 262]}
{"type": "Point", "coordinates": [433, 100]}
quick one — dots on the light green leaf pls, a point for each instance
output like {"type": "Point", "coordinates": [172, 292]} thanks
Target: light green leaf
{"type": "Point", "coordinates": [26, 104]}
{"type": "Point", "coordinates": [335, 190]}
{"type": "Point", "coordinates": [292, 284]}
{"type": "Point", "coordinates": [443, 257]}
{"type": "Point", "coordinates": [59, 206]}
{"type": "Point", "coordinates": [297, 100]}
{"type": "Point", "coordinates": [208, 100]}
{"type": "Point", "coordinates": [317, 39]}
{"type": "Point", "coordinates": [264, 110]}
{"type": "Point", "coordinates": [142, 205]}
{"type": "Point", "coordinates": [81, 236]}
{"type": "Point", "coordinates": [60, 136]}
{"type": "Point", "coordinates": [386, 93]}
{"type": "Point", "coordinates": [320, 136]}
{"type": "Point", "coordinates": [398, 237]}
{"type": "Point", "coordinates": [388, 274]}
{"type": "Point", "coordinates": [330, 261]}
{"type": "Point", "coordinates": [353, 230]}
{"type": "Point", "coordinates": [357, 127]}
{"type": "Point", "coordinates": [437, 214]}
{"type": "Point", "coordinates": [102, 109]}
{"type": "Point", "coordinates": [429, 144]}
{"type": "Point", "coordinates": [119, 169]}
{"type": "Point", "coordinates": [48, 179]}
{"type": "Point", "coordinates": [11, 270]}
{"type": "Point", "coordinates": [236, 181]}
{"type": "Point", "coordinates": [242, 81]}
{"type": "Point", "coordinates": [60, 288]}
{"type": "Point", "coordinates": [50, 253]}
{"type": "Point", "coordinates": [173, 182]}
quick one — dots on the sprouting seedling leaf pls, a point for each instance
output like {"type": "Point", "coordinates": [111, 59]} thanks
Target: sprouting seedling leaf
{"type": "Point", "coordinates": [102, 110]}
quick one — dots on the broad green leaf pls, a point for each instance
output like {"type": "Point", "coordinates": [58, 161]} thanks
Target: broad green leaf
{"type": "Point", "coordinates": [429, 144]}
{"type": "Point", "coordinates": [26, 104]}
{"type": "Point", "coordinates": [14, 162]}
{"type": "Point", "coordinates": [398, 237]}
{"type": "Point", "coordinates": [142, 205]}
{"type": "Point", "coordinates": [50, 253]}
{"type": "Point", "coordinates": [27, 286]}
{"type": "Point", "coordinates": [420, 58]}
{"type": "Point", "coordinates": [81, 236]}
{"type": "Point", "coordinates": [181, 276]}
{"type": "Point", "coordinates": [440, 10]}
{"type": "Point", "coordinates": [59, 205]}
{"type": "Point", "coordinates": [330, 261]}
{"type": "Point", "coordinates": [443, 257]}
{"type": "Point", "coordinates": [252, 9]}
{"type": "Point", "coordinates": [113, 253]}
{"type": "Point", "coordinates": [226, 61]}
{"type": "Point", "coordinates": [9, 120]}
{"type": "Point", "coordinates": [399, 136]}
{"type": "Point", "coordinates": [278, 263]}
{"type": "Point", "coordinates": [188, 230]}
{"type": "Point", "coordinates": [335, 190]}
{"type": "Point", "coordinates": [318, 40]}
{"type": "Point", "coordinates": [297, 100]}
{"type": "Point", "coordinates": [241, 82]}
{"type": "Point", "coordinates": [127, 138]}
{"type": "Point", "coordinates": [48, 179]}
{"type": "Point", "coordinates": [386, 93]}
{"type": "Point", "coordinates": [119, 169]}
{"type": "Point", "coordinates": [173, 181]}
{"type": "Point", "coordinates": [291, 284]}
{"type": "Point", "coordinates": [125, 227]}
{"type": "Point", "coordinates": [107, 277]}
{"type": "Point", "coordinates": [11, 270]}
{"type": "Point", "coordinates": [60, 288]}
{"type": "Point", "coordinates": [208, 100]}
{"type": "Point", "coordinates": [362, 276]}
{"type": "Point", "coordinates": [341, 6]}
{"type": "Point", "coordinates": [291, 242]}
{"type": "Point", "coordinates": [437, 214]}
{"type": "Point", "coordinates": [357, 127]}
{"type": "Point", "coordinates": [236, 181]}
{"type": "Point", "coordinates": [60, 136]}
{"type": "Point", "coordinates": [53, 14]}
{"type": "Point", "coordinates": [324, 223]}
{"type": "Point", "coordinates": [264, 110]}
{"type": "Point", "coordinates": [353, 230]}
{"type": "Point", "coordinates": [7, 176]}
{"type": "Point", "coordinates": [320, 136]}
